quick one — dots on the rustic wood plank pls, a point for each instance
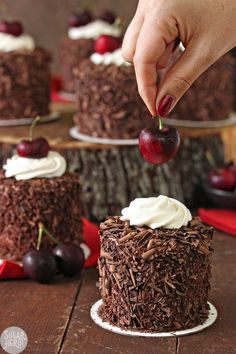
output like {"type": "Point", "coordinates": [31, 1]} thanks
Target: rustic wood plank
{"type": "Point", "coordinates": [220, 338]}
{"type": "Point", "coordinates": [84, 337]}
{"type": "Point", "coordinates": [43, 311]}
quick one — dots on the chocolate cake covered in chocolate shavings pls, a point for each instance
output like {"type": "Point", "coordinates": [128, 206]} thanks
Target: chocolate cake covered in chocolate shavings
{"type": "Point", "coordinates": [23, 204]}
{"type": "Point", "coordinates": [72, 53]}
{"type": "Point", "coordinates": [155, 280]}
{"type": "Point", "coordinates": [24, 83]}
{"type": "Point", "coordinates": [108, 102]}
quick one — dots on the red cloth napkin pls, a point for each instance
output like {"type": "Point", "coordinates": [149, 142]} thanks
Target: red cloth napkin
{"type": "Point", "coordinates": [12, 270]}
{"type": "Point", "coordinates": [56, 89]}
{"type": "Point", "coordinates": [222, 219]}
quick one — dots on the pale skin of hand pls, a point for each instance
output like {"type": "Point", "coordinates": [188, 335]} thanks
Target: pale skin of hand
{"type": "Point", "coordinates": [207, 28]}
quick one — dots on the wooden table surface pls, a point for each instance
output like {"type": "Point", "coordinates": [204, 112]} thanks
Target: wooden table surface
{"type": "Point", "coordinates": [56, 316]}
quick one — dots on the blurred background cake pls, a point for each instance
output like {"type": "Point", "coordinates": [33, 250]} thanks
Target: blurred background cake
{"type": "Point", "coordinates": [37, 189]}
{"type": "Point", "coordinates": [108, 103]}
{"type": "Point", "coordinates": [83, 29]}
{"type": "Point", "coordinates": [24, 74]}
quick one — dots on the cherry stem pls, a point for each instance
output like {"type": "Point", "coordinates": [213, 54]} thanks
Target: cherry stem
{"type": "Point", "coordinates": [40, 235]}
{"type": "Point", "coordinates": [210, 159]}
{"type": "Point", "coordinates": [161, 123]}
{"type": "Point", "coordinates": [48, 233]}
{"type": "Point", "coordinates": [36, 120]}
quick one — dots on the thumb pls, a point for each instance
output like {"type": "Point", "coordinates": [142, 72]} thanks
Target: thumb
{"type": "Point", "coordinates": [178, 79]}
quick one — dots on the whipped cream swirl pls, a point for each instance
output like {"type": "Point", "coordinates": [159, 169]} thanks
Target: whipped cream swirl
{"type": "Point", "coordinates": [53, 165]}
{"type": "Point", "coordinates": [157, 212]}
{"type": "Point", "coordinates": [9, 43]}
{"type": "Point", "coordinates": [93, 30]}
{"type": "Point", "coordinates": [109, 58]}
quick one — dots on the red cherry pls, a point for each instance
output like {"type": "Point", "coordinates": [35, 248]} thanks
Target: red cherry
{"type": "Point", "coordinates": [36, 148]}
{"type": "Point", "coordinates": [16, 29]}
{"type": "Point", "coordinates": [107, 16]}
{"type": "Point", "coordinates": [13, 28]}
{"type": "Point", "coordinates": [223, 178]}
{"type": "Point", "coordinates": [79, 19]}
{"type": "Point", "coordinates": [70, 258]}
{"type": "Point", "coordinates": [105, 44]}
{"type": "Point", "coordinates": [159, 145]}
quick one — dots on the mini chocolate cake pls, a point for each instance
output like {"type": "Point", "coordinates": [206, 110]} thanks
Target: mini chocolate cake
{"type": "Point", "coordinates": [108, 102]}
{"type": "Point", "coordinates": [24, 83]}
{"type": "Point", "coordinates": [25, 203]}
{"type": "Point", "coordinates": [154, 279]}
{"type": "Point", "coordinates": [211, 96]}
{"type": "Point", "coordinates": [72, 53]}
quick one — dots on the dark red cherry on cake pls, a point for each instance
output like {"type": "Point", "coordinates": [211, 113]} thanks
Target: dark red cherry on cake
{"type": "Point", "coordinates": [107, 16]}
{"type": "Point", "coordinates": [39, 265]}
{"type": "Point", "coordinates": [105, 44]}
{"type": "Point", "coordinates": [13, 28]}
{"type": "Point", "coordinates": [223, 178]}
{"type": "Point", "coordinates": [159, 145]}
{"type": "Point", "coordinates": [37, 148]}
{"type": "Point", "coordinates": [70, 259]}
{"type": "Point", "coordinates": [80, 18]}
{"type": "Point", "coordinates": [33, 148]}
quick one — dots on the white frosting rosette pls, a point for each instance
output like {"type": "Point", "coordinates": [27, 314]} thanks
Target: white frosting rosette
{"type": "Point", "coordinates": [157, 212]}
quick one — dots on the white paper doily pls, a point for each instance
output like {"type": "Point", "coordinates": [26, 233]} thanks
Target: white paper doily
{"type": "Point", "coordinates": [75, 133]}
{"type": "Point", "coordinates": [199, 124]}
{"type": "Point", "coordinates": [27, 121]}
{"type": "Point", "coordinates": [106, 325]}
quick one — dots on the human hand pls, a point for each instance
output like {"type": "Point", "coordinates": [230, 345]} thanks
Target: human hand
{"type": "Point", "coordinates": [205, 27]}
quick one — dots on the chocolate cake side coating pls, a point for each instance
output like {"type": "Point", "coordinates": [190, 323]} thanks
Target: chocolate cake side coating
{"type": "Point", "coordinates": [24, 83]}
{"type": "Point", "coordinates": [72, 53]}
{"type": "Point", "coordinates": [154, 280]}
{"type": "Point", "coordinates": [108, 102]}
{"type": "Point", "coordinates": [211, 97]}
{"type": "Point", "coordinates": [23, 204]}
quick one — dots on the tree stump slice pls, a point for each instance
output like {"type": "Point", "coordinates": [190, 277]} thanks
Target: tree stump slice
{"type": "Point", "coordinates": [112, 178]}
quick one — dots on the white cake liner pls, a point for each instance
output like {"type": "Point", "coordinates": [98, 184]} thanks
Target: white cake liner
{"type": "Point", "coordinates": [199, 124]}
{"type": "Point", "coordinates": [27, 121]}
{"type": "Point", "coordinates": [106, 325]}
{"type": "Point", "coordinates": [75, 133]}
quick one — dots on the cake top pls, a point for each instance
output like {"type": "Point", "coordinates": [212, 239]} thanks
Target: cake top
{"type": "Point", "coordinates": [13, 38]}
{"type": "Point", "coordinates": [34, 159]}
{"type": "Point", "coordinates": [82, 24]}
{"type": "Point", "coordinates": [157, 212]}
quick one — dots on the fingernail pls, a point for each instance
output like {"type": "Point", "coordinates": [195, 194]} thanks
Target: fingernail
{"type": "Point", "coordinates": [165, 105]}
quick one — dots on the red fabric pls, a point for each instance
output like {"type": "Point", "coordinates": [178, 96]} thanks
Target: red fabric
{"type": "Point", "coordinates": [11, 270]}
{"type": "Point", "coordinates": [222, 219]}
{"type": "Point", "coordinates": [56, 88]}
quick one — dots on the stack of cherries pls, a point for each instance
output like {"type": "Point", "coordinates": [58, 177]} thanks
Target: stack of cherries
{"type": "Point", "coordinates": [14, 28]}
{"type": "Point", "coordinates": [42, 265]}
